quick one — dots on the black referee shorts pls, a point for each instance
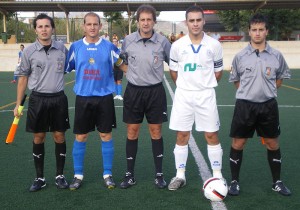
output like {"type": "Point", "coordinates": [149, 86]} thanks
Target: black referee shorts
{"type": "Point", "coordinates": [94, 111]}
{"type": "Point", "coordinates": [149, 101]}
{"type": "Point", "coordinates": [260, 117]}
{"type": "Point", "coordinates": [47, 112]}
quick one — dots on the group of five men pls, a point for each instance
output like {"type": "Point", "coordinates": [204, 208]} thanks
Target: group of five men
{"type": "Point", "coordinates": [196, 64]}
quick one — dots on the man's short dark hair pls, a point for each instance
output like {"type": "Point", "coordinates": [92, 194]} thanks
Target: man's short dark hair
{"type": "Point", "coordinates": [43, 16]}
{"type": "Point", "coordinates": [146, 8]}
{"type": "Point", "coordinates": [194, 8]}
{"type": "Point", "coordinates": [92, 14]}
{"type": "Point", "coordinates": [259, 18]}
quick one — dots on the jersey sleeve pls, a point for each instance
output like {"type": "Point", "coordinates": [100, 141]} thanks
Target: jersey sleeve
{"type": "Point", "coordinates": [167, 47]}
{"type": "Point", "coordinates": [24, 69]}
{"type": "Point", "coordinates": [218, 57]}
{"type": "Point", "coordinates": [173, 63]}
{"type": "Point", "coordinates": [70, 61]}
{"type": "Point", "coordinates": [114, 54]}
{"type": "Point", "coordinates": [284, 71]}
{"type": "Point", "coordinates": [234, 76]}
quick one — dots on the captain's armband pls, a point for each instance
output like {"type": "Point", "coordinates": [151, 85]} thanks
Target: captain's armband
{"type": "Point", "coordinates": [119, 62]}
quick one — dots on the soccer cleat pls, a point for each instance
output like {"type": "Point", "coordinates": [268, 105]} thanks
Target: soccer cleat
{"type": "Point", "coordinates": [128, 181]}
{"type": "Point", "coordinates": [38, 184]}
{"type": "Point", "coordinates": [176, 183]}
{"type": "Point", "coordinates": [159, 181]}
{"type": "Point", "coordinates": [75, 184]}
{"type": "Point", "coordinates": [13, 81]}
{"type": "Point", "coordinates": [109, 182]}
{"type": "Point", "coordinates": [281, 188]}
{"type": "Point", "coordinates": [61, 182]}
{"type": "Point", "coordinates": [234, 188]}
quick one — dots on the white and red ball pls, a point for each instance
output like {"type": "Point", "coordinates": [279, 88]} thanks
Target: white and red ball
{"type": "Point", "coordinates": [215, 189]}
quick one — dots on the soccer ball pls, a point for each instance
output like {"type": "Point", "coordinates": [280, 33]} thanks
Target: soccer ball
{"type": "Point", "coordinates": [215, 189]}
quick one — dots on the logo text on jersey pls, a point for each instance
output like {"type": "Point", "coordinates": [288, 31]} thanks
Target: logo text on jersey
{"type": "Point", "coordinates": [193, 67]}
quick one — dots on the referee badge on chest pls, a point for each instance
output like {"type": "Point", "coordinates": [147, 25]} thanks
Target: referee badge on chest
{"type": "Point", "coordinates": [155, 60]}
{"type": "Point", "coordinates": [91, 61]}
{"type": "Point", "coordinates": [268, 71]}
{"type": "Point", "coordinates": [60, 64]}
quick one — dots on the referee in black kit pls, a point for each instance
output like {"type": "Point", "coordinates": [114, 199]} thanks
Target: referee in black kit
{"type": "Point", "coordinates": [257, 72]}
{"type": "Point", "coordinates": [145, 95]}
{"type": "Point", "coordinates": [42, 71]}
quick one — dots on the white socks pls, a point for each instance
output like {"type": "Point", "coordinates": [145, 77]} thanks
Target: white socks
{"type": "Point", "coordinates": [181, 155]}
{"type": "Point", "coordinates": [78, 176]}
{"type": "Point", "coordinates": [215, 153]}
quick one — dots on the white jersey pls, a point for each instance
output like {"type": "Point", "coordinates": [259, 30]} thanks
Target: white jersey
{"type": "Point", "coordinates": [196, 65]}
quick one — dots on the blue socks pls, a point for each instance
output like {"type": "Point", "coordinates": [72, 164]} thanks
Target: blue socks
{"type": "Point", "coordinates": [107, 156]}
{"type": "Point", "coordinates": [116, 89]}
{"type": "Point", "coordinates": [119, 89]}
{"type": "Point", "coordinates": [78, 156]}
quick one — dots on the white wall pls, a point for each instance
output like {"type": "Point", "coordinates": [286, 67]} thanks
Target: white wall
{"type": "Point", "coordinates": [289, 49]}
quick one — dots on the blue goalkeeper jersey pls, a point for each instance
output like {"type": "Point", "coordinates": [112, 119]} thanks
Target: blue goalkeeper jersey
{"type": "Point", "coordinates": [93, 65]}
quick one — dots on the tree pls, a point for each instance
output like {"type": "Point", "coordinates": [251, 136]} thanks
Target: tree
{"type": "Point", "coordinates": [235, 20]}
{"type": "Point", "coordinates": [282, 22]}
{"type": "Point", "coordinates": [114, 19]}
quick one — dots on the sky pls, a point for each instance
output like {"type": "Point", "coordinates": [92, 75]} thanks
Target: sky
{"type": "Point", "coordinates": [164, 16]}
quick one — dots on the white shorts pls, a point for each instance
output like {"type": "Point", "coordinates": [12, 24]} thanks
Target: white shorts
{"type": "Point", "coordinates": [198, 106]}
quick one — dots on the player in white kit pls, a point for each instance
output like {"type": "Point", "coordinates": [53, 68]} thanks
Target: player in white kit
{"type": "Point", "coordinates": [196, 64]}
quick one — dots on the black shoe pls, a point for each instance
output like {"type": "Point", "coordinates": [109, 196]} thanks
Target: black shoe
{"type": "Point", "coordinates": [128, 181]}
{"type": "Point", "coordinates": [159, 181]}
{"type": "Point", "coordinates": [75, 184]}
{"type": "Point", "coordinates": [281, 188]}
{"type": "Point", "coordinates": [234, 188]}
{"type": "Point", "coordinates": [61, 182]}
{"type": "Point", "coordinates": [38, 184]}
